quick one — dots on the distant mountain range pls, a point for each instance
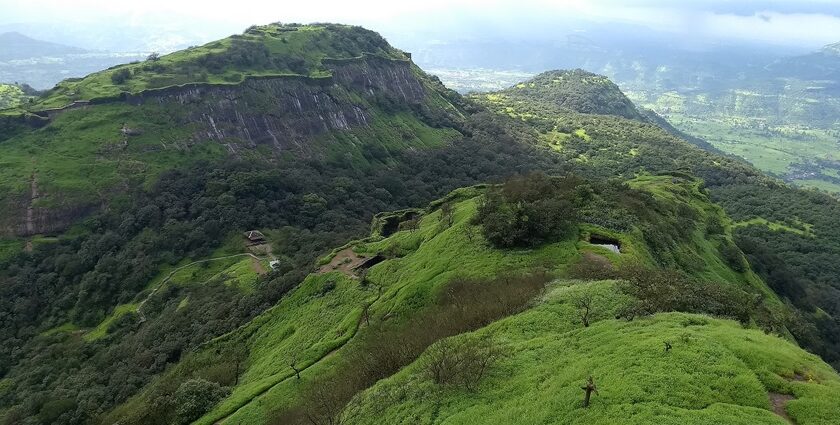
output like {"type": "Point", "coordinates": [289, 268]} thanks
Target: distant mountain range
{"type": "Point", "coordinates": [42, 64]}
{"type": "Point", "coordinates": [14, 45]}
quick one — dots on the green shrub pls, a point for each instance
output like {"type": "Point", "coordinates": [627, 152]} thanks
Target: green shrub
{"type": "Point", "coordinates": [121, 76]}
{"type": "Point", "coordinates": [195, 398]}
{"type": "Point", "coordinates": [528, 211]}
{"type": "Point", "coordinates": [663, 290]}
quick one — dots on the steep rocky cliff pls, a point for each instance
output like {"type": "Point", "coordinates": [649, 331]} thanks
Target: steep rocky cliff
{"type": "Point", "coordinates": [286, 111]}
{"type": "Point", "coordinates": [129, 138]}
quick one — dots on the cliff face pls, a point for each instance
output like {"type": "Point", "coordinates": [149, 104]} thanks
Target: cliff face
{"type": "Point", "coordinates": [286, 112]}
{"type": "Point", "coordinates": [281, 113]}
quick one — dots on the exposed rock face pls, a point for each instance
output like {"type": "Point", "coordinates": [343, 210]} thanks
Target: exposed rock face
{"type": "Point", "coordinates": [281, 112]}
{"type": "Point", "coordinates": [286, 111]}
{"type": "Point", "coordinates": [23, 216]}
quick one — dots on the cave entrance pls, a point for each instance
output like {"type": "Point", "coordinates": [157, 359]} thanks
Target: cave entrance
{"type": "Point", "coordinates": [607, 242]}
{"type": "Point", "coordinates": [369, 262]}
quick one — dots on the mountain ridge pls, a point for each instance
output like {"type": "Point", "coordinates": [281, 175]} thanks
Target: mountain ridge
{"type": "Point", "coordinates": [164, 312]}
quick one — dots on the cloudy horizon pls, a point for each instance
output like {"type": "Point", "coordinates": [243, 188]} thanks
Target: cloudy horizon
{"type": "Point", "coordinates": [806, 24]}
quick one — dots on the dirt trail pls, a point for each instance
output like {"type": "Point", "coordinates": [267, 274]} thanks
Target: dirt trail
{"type": "Point", "coordinates": [291, 376]}
{"type": "Point", "coordinates": [779, 402]}
{"type": "Point", "coordinates": [258, 267]}
{"type": "Point", "coordinates": [30, 209]}
{"type": "Point", "coordinates": [172, 273]}
{"type": "Point", "coordinates": [344, 261]}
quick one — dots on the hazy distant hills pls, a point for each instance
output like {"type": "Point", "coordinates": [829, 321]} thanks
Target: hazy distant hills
{"type": "Point", "coordinates": [832, 49]}
{"type": "Point", "coordinates": [42, 64]}
{"type": "Point", "coordinates": [14, 45]}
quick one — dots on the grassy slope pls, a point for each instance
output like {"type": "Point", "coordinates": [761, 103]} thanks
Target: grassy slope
{"type": "Point", "coordinates": [408, 283]}
{"type": "Point", "coordinates": [717, 372]}
{"type": "Point", "coordinates": [81, 153]}
{"type": "Point", "coordinates": [311, 325]}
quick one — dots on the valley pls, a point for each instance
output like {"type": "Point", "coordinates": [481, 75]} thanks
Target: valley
{"type": "Point", "coordinates": [783, 122]}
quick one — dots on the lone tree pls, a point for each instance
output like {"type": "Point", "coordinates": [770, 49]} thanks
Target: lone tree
{"type": "Point", "coordinates": [447, 214]}
{"type": "Point", "coordinates": [366, 313]}
{"type": "Point", "coordinates": [584, 306]}
{"type": "Point", "coordinates": [154, 57]}
{"type": "Point", "coordinates": [294, 368]}
{"type": "Point", "coordinates": [589, 388]}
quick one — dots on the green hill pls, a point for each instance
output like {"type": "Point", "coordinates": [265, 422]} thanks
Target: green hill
{"type": "Point", "coordinates": [715, 372]}
{"type": "Point", "coordinates": [609, 146]}
{"type": "Point", "coordinates": [347, 98]}
{"type": "Point", "coordinates": [262, 51]}
{"type": "Point", "coordinates": [165, 250]}
{"type": "Point", "coordinates": [449, 275]}
{"type": "Point", "coordinates": [572, 91]}
{"type": "Point", "coordinates": [16, 46]}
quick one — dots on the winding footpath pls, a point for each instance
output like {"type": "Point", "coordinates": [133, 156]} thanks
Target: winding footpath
{"type": "Point", "coordinates": [172, 273]}
{"type": "Point", "coordinates": [289, 376]}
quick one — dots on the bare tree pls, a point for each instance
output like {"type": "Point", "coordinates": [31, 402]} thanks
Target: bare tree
{"type": "Point", "coordinates": [469, 232]}
{"type": "Point", "coordinates": [410, 225]}
{"type": "Point", "coordinates": [462, 362]}
{"type": "Point", "coordinates": [366, 313]}
{"type": "Point", "coordinates": [240, 355]}
{"type": "Point", "coordinates": [292, 364]}
{"type": "Point", "coordinates": [589, 388]}
{"type": "Point", "coordinates": [447, 214]}
{"type": "Point", "coordinates": [584, 306]}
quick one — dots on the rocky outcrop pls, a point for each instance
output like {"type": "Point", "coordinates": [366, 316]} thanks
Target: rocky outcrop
{"type": "Point", "coordinates": [285, 112]}
{"type": "Point", "coordinates": [282, 113]}
{"type": "Point", "coordinates": [25, 216]}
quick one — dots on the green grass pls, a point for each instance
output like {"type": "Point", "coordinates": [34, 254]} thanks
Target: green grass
{"type": "Point", "coordinates": [716, 372]}
{"type": "Point", "coordinates": [64, 328]}
{"type": "Point", "coordinates": [81, 153]}
{"type": "Point", "coordinates": [101, 330]}
{"type": "Point", "coordinates": [428, 259]}
{"type": "Point", "coordinates": [314, 324]}
{"type": "Point", "coordinates": [9, 248]}
{"type": "Point", "coordinates": [701, 256]}
{"type": "Point", "coordinates": [804, 229]}
{"type": "Point", "coordinates": [409, 283]}
{"type": "Point", "coordinates": [819, 184]}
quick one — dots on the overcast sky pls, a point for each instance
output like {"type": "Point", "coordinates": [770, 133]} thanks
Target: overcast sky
{"type": "Point", "coordinates": [806, 23]}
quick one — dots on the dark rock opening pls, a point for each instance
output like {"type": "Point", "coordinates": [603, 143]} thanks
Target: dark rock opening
{"type": "Point", "coordinates": [606, 242]}
{"type": "Point", "coordinates": [370, 262]}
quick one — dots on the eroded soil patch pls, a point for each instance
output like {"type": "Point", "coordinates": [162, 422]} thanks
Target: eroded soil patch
{"type": "Point", "coordinates": [345, 261]}
{"type": "Point", "coordinates": [779, 402]}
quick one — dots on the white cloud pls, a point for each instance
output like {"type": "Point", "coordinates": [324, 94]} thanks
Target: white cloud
{"type": "Point", "coordinates": [785, 22]}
